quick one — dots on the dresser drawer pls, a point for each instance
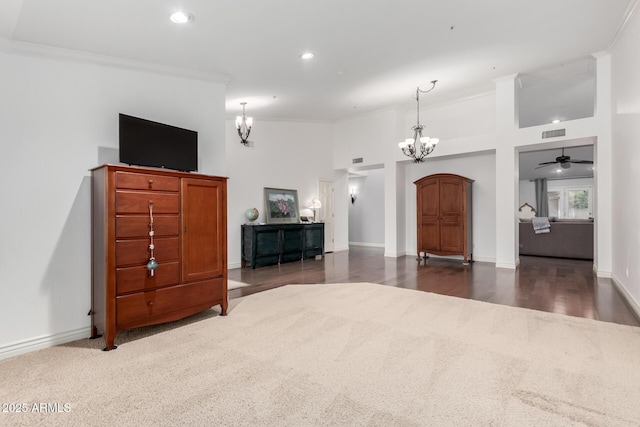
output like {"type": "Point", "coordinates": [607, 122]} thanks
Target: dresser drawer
{"type": "Point", "coordinates": [137, 202]}
{"type": "Point", "coordinates": [142, 307]}
{"type": "Point", "coordinates": [136, 252]}
{"type": "Point", "coordinates": [142, 181]}
{"type": "Point", "coordinates": [136, 279]}
{"type": "Point", "coordinates": [138, 226]}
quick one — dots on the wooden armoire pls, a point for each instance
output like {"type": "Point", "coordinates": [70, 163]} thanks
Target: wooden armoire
{"type": "Point", "coordinates": [444, 216]}
{"type": "Point", "coordinates": [180, 220]}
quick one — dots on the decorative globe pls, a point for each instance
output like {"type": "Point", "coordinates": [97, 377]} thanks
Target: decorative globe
{"type": "Point", "coordinates": [252, 214]}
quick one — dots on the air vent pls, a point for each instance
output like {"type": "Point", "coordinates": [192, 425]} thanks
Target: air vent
{"type": "Point", "coordinates": [553, 133]}
{"type": "Point", "coordinates": [357, 160]}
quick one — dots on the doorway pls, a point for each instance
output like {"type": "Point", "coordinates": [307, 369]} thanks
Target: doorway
{"type": "Point", "coordinates": [326, 213]}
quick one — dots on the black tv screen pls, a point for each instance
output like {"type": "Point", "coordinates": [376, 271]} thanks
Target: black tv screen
{"type": "Point", "coordinates": [147, 143]}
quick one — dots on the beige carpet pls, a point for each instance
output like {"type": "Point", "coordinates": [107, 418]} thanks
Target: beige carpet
{"type": "Point", "coordinates": [341, 355]}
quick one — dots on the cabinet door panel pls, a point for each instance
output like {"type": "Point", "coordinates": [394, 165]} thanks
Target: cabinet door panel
{"type": "Point", "coordinates": [451, 218]}
{"type": "Point", "coordinates": [313, 240]}
{"type": "Point", "coordinates": [291, 243]}
{"type": "Point", "coordinates": [451, 237]}
{"type": "Point", "coordinates": [428, 222]}
{"type": "Point", "coordinates": [267, 242]}
{"type": "Point", "coordinates": [203, 213]}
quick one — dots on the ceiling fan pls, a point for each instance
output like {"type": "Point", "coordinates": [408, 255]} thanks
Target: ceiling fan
{"type": "Point", "coordinates": [564, 162]}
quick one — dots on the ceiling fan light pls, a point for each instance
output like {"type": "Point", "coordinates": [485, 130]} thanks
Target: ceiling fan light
{"type": "Point", "coordinates": [565, 165]}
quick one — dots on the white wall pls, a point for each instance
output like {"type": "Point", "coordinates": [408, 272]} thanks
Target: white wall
{"type": "Point", "coordinates": [57, 120]}
{"type": "Point", "coordinates": [291, 155]}
{"type": "Point", "coordinates": [527, 194]}
{"type": "Point", "coordinates": [370, 137]}
{"type": "Point", "coordinates": [481, 168]}
{"type": "Point", "coordinates": [626, 157]}
{"type": "Point", "coordinates": [366, 215]}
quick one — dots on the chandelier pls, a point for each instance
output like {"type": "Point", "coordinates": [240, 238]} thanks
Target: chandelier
{"type": "Point", "coordinates": [419, 146]}
{"type": "Point", "coordinates": [243, 124]}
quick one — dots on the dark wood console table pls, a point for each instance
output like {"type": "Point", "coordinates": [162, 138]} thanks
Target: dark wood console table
{"type": "Point", "coordinates": [277, 243]}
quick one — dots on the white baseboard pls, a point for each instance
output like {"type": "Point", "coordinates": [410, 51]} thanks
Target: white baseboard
{"type": "Point", "coordinates": [507, 265]}
{"type": "Point", "coordinates": [231, 266]}
{"type": "Point", "coordinates": [340, 248]}
{"type": "Point", "coordinates": [602, 273]}
{"type": "Point", "coordinates": [39, 343]}
{"type": "Point", "coordinates": [369, 245]}
{"type": "Point", "coordinates": [627, 296]}
{"type": "Point", "coordinates": [394, 254]}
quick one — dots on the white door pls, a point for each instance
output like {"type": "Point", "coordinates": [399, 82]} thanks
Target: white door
{"type": "Point", "coordinates": [325, 213]}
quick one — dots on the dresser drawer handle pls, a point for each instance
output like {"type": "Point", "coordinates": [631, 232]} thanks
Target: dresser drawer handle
{"type": "Point", "coordinates": [150, 183]}
{"type": "Point", "coordinates": [150, 303]}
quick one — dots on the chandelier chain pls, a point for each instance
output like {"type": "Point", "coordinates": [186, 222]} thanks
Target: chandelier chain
{"type": "Point", "coordinates": [419, 147]}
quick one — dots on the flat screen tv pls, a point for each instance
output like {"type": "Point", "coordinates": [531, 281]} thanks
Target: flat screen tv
{"type": "Point", "coordinates": [147, 143]}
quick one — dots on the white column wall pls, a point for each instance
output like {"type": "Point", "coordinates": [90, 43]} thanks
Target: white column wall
{"type": "Point", "coordinates": [506, 176]}
{"type": "Point", "coordinates": [625, 204]}
{"type": "Point", "coordinates": [604, 168]}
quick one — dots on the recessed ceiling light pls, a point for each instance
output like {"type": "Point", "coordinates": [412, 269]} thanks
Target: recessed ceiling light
{"type": "Point", "coordinates": [181, 17]}
{"type": "Point", "coordinates": [307, 55]}
{"type": "Point", "coordinates": [554, 121]}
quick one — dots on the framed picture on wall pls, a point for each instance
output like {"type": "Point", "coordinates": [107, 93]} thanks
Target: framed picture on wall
{"type": "Point", "coordinates": [281, 206]}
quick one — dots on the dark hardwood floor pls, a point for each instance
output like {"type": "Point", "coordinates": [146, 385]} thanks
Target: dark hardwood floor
{"type": "Point", "coordinates": [548, 284]}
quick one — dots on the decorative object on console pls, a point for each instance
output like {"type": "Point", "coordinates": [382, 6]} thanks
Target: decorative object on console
{"type": "Point", "coordinates": [243, 125]}
{"type": "Point", "coordinates": [419, 146]}
{"type": "Point", "coordinates": [252, 214]}
{"type": "Point", "coordinates": [354, 196]}
{"type": "Point", "coordinates": [306, 215]}
{"type": "Point", "coordinates": [281, 206]}
{"type": "Point", "coordinates": [314, 205]}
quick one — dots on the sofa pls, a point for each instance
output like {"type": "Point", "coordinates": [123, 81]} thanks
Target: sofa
{"type": "Point", "coordinates": [568, 238]}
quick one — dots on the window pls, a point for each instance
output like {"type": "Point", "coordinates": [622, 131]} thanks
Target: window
{"type": "Point", "coordinates": [571, 202]}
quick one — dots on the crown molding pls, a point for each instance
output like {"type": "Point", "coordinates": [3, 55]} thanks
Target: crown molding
{"type": "Point", "coordinates": [70, 55]}
{"type": "Point", "coordinates": [631, 9]}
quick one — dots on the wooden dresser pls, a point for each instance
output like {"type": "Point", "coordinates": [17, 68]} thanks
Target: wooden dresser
{"type": "Point", "coordinates": [444, 216]}
{"type": "Point", "coordinates": [188, 215]}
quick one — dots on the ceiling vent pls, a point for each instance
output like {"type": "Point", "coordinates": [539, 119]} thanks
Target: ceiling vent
{"type": "Point", "coordinates": [357, 160]}
{"type": "Point", "coordinates": [553, 133]}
